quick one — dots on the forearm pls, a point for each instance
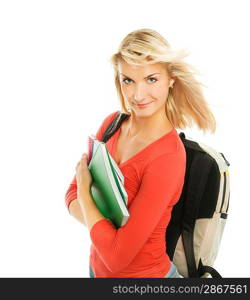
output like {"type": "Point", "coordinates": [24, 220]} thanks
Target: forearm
{"type": "Point", "coordinates": [90, 212]}
{"type": "Point", "coordinates": [76, 212]}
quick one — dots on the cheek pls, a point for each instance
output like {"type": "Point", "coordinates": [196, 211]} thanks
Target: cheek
{"type": "Point", "coordinates": [126, 92]}
{"type": "Point", "coordinates": [123, 89]}
{"type": "Point", "coordinates": [160, 92]}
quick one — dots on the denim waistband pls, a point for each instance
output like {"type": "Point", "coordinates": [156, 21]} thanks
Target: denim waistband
{"type": "Point", "coordinates": [172, 273]}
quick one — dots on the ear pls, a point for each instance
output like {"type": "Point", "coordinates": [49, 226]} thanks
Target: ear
{"type": "Point", "coordinates": [172, 81]}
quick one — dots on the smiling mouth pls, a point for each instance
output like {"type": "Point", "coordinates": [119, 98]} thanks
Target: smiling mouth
{"type": "Point", "coordinates": [141, 105]}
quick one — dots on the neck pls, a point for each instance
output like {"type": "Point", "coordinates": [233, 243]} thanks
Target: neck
{"type": "Point", "coordinates": [149, 126]}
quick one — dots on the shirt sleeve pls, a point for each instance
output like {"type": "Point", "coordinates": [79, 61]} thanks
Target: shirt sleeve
{"type": "Point", "coordinates": [161, 185]}
{"type": "Point", "coordinates": [71, 193]}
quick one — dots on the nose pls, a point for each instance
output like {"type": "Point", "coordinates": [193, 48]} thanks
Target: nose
{"type": "Point", "coordinates": [140, 93]}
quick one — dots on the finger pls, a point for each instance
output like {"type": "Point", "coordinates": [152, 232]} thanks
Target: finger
{"type": "Point", "coordinates": [84, 156]}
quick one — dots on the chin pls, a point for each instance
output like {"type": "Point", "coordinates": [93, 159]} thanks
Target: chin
{"type": "Point", "coordinates": [144, 113]}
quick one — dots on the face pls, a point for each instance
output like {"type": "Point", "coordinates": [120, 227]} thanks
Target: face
{"type": "Point", "coordinates": [144, 88]}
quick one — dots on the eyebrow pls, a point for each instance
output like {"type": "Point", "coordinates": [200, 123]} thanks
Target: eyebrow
{"type": "Point", "coordinates": [144, 78]}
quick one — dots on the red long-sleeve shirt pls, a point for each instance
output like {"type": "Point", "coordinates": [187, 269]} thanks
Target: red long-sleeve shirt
{"type": "Point", "coordinates": [154, 179]}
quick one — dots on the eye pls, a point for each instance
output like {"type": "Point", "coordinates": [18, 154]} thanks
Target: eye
{"type": "Point", "coordinates": [153, 78]}
{"type": "Point", "coordinates": [124, 80]}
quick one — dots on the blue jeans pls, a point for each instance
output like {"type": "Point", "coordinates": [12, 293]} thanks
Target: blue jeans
{"type": "Point", "coordinates": [172, 273]}
{"type": "Point", "coordinates": [91, 273]}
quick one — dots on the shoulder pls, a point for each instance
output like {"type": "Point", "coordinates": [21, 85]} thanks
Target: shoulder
{"type": "Point", "coordinates": [105, 123]}
{"type": "Point", "coordinates": [109, 118]}
{"type": "Point", "coordinates": [168, 145]}
{"type": "Point", "coordinates": [168, 152]}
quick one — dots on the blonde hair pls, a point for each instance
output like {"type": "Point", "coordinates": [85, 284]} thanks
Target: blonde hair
{"type": "Point", "coordinates": [185, 103]}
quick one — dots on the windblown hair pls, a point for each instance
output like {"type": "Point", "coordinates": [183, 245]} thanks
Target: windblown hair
{"type": "Point", "coordinates": [185, 103]}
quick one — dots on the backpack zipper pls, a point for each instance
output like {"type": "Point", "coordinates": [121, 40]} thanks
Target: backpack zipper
{"type": "Point", "coordinates": [224, 191]}
{"type": "Point", "coordinates": [228, 202]}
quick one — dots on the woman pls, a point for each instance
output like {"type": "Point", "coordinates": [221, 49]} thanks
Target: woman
{"type": "Point", "coordinates": [160, 93]}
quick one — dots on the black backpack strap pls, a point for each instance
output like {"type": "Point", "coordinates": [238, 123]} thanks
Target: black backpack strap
{"type": "Point", "coordinates": [199, 171]}
{"type": "Point", "coordinates": [207, 269]}
{"type": "Point", "coordinates": [114, 126]}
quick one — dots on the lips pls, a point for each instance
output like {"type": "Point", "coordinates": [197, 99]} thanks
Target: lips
{"type": "Point", "coordinates": [142, 105]}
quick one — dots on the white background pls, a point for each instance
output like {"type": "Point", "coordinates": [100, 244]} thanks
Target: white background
{"type": "Point", "coordinates": [56, 87]}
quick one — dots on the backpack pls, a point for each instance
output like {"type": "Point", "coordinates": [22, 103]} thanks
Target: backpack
{"type": "Point", "coordinates": [194, 232]}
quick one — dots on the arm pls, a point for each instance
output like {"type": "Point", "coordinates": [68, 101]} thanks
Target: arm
{"type": "Point", "coordinates": [89, 209]}
{"type": "Point", "coordinates": [160, 187]}
{"type": "Point", "coordinates": [71, 194]}
{"type": "Point", "coordinates": [76, 212]}
{"type": "Point", "coordinates": [72, 203]}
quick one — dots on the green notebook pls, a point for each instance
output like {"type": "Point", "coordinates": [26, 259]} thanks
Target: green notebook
{"type": "Point", "coordinates": [107, 188]}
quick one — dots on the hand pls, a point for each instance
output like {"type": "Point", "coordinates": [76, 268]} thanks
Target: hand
{"type": "Point", "coordinates": [83, 176]}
